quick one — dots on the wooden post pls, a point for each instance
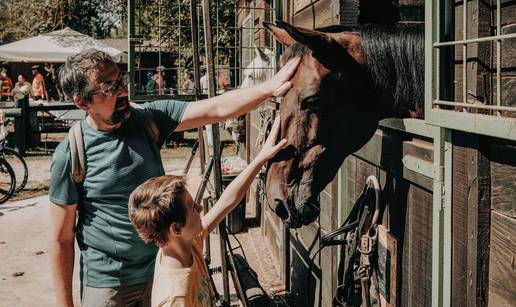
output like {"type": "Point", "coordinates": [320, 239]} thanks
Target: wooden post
{"type": "Point", "coordinates": [197, 77]}
{"type": "Point", "coordinates": [217, 170]}
{"type": "Point", "coordinates": [23, 127]}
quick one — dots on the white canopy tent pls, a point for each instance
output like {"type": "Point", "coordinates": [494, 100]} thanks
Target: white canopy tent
{"type": "Point", "coordinates": [55, 47]}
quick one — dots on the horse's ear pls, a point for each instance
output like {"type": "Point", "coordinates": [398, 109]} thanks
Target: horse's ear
{"type": "Point", "coordinates": [325, 48]}
{"type": "Point", "coordinates": [261, 54]}
{"type": "Point", "coordinates": [279, 34]}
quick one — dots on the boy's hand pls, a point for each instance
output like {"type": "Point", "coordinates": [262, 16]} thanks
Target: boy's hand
{"type": "Point", "coordinates": [280, 83]}
{"type": "Point", "coordinates": [269, 150]}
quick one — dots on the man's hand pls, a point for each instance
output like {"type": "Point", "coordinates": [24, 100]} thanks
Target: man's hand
{"type": "Point", "coordinates": [270, 148]}
{"type": "Point", "coordinates": [280, 83]}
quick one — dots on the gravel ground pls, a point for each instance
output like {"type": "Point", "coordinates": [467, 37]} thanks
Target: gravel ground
{"type": "Point", "coordinates": [25, 275]}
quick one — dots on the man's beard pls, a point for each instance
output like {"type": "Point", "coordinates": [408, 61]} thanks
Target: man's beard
{"type": "Point", "coordinates": [120, 116]}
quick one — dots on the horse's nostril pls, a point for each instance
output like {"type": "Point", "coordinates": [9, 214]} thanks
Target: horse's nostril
{"type": "Point", "coordinates": [280, 209]}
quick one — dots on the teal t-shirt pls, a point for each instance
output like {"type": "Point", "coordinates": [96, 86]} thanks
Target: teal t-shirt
{"type": "Point", "coordinates": [112, 253]}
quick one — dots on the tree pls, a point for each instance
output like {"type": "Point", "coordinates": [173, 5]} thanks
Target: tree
{"type": "Point", "coordinates": [167, 23]}
{"type": "Point", "coordinates": [25, 18]}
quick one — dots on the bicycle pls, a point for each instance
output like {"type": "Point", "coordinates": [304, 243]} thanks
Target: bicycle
{"type": "Point", "coordinates": [17, 163]}
{"type": "Point", "coordinates": [7, 181]}
{"type": "Point", "coordinates": [13, 158]}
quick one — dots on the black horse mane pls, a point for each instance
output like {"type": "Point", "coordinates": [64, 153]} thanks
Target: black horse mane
{"type": "Point", "coordinates": [395, 60]}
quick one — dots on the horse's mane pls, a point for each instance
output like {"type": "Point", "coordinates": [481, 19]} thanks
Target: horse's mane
{"type": "Point", "coordinates": [395, 60]}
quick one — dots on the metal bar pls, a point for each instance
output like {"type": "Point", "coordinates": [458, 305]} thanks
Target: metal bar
{"type": "Point", "coordinates": [475, 40]}
{"type": "Point", "coordinates": [197, 76]}
{"type": "Point", "coordinates": [474, 106]}
{"type": "Point", "coordinates": [447, 217]}
{"type": "Point", "coordinates": [131, 54]}
{"type": "Point", "coordinates": [217, 171]}
{"type": "Point", "coordinates": [430, 70]}
{"type": "Point", "coordinates": [464, 50]}
{"type": "Point", "coordinates": [437, 222]}
{"type": "Point", "coordinates": [431, 88]}
{"type": "Point", "coordinates": [498, 54]}
{"type": "Point", "coordinates": [234, 274]}
{"type": "Point", "coordinates": [477, 123]}
{"type": "Point", "coordinates": [286, 257]}
{"type": "Point", "coordinates": [410, 125]}
{"type": "Point", "coordinates": [419, 166]}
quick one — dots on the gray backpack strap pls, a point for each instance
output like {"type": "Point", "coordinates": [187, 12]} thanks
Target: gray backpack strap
{"type": "Point", "coordinates": [147, 121]}
{"type": "Point", "coordinates": [78, 157]}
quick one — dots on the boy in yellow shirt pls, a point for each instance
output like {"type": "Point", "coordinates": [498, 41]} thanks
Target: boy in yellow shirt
{"type": "Point", "coordinates": [164, 213]}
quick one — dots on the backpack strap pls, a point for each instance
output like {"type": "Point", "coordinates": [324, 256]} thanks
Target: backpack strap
{"type": "Point", "coordinates": [78, 156]}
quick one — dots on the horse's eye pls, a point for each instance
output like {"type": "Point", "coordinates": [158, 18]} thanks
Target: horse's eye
{"type": "Point", "coordinates": [250, 77]}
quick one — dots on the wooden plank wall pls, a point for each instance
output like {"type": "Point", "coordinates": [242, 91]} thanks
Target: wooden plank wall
{"type": "Point", "coordinates": [502, 273]}
{"type": "Point", "coordinates": [502, 156]}
{"type": "Point", "coordinates": [482, 172]}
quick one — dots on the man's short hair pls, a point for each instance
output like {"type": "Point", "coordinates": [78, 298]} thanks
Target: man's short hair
{"type": "Point", "coordinates": [155, 205]}
{"type": "Point", "coordinates": [73, 74]}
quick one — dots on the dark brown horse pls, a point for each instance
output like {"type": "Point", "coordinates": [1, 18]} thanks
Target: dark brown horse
{"type": "Point", "coordinates": [347, 81]}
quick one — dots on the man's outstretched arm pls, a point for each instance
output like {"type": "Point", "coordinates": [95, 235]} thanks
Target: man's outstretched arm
{"type": "Point", "coordinates": [62, 255]}
{"type": "Point", "coordinates": [237, 102]}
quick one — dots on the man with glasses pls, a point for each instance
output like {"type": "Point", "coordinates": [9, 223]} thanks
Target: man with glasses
{"type": "Point", "coordinates": [116, 265]}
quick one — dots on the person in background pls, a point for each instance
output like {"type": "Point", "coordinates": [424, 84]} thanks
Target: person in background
{"type": "Point", "coordinates": [160, 80]}
{"type": "Point", "coordinates": [21, 88]}
{"type": "Point", "coordinates": [188, 84]}
{"type": "Point", "coordinates": [150, 86]}
{"type": "Point", "coordinates": [6, 85]}
{"type": "Point", "coordinates": [204, 80]}
{"type": "Point", "coordinates": [223, 82]}
{"type": "Point", "coordinates": [51, 82]}
{"type": "Point", "coordinates": [39, 89]}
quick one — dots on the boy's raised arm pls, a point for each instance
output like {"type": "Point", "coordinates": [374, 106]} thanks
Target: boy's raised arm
{"type": "Point", "coordinates": [239, 186]}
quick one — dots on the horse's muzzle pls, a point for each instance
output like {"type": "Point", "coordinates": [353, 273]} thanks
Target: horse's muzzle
{"type": "Point", "coordinates": [296, 216]}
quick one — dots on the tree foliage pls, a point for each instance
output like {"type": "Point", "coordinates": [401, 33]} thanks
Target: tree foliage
{"type": "Point", "coordinates": [20, 19]}
{"type": "Point", "coordinates": [167, 23]}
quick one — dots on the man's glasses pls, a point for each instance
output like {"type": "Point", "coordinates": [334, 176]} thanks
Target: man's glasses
{"type": "Point", "coordinates": [112, 88]}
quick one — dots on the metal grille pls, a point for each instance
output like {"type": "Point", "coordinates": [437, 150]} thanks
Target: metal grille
{"type": "Point", "coordinates": [486, 106]}
{"type": "Point", "coordinates": [160, 46]}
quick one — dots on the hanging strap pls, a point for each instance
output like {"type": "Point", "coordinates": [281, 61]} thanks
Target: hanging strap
{"type": "Point", "coordinates": [78, 157]}
{"type": "Point", "coordinates": [359, 231]}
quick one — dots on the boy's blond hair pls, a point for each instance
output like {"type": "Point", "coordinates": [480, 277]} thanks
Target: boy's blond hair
{"type": "Point", "coordinates": [155, 205]}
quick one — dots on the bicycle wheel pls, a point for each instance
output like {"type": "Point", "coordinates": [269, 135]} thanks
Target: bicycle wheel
{"type": "Point", "coordinates": [7, 181]}
{"type": "Point", "coordinates": [19, 167]}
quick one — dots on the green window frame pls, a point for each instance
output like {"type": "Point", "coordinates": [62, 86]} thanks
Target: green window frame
{"type": "Point", "coordinates": [496, 125]}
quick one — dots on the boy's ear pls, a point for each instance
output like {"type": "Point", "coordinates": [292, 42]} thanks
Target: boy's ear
{"type": "Point", "coordinates": [175, 229]}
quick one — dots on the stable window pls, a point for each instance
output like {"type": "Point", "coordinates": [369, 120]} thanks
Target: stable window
{"type": "Point", "coordinates": [470, 68]}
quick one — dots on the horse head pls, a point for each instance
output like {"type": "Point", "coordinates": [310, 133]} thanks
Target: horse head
{"type": "Point", "coordinates": [260, 69]}
{"type": "Point", "coordinates": [333, 108]}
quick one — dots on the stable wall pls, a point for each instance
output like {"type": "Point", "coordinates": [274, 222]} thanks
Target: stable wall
{"type": "Point", "coordinates": [483, 197]}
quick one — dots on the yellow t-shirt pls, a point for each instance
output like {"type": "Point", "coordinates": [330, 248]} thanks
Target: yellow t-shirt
{"type": "Point", "coordinates": [183, 287]}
